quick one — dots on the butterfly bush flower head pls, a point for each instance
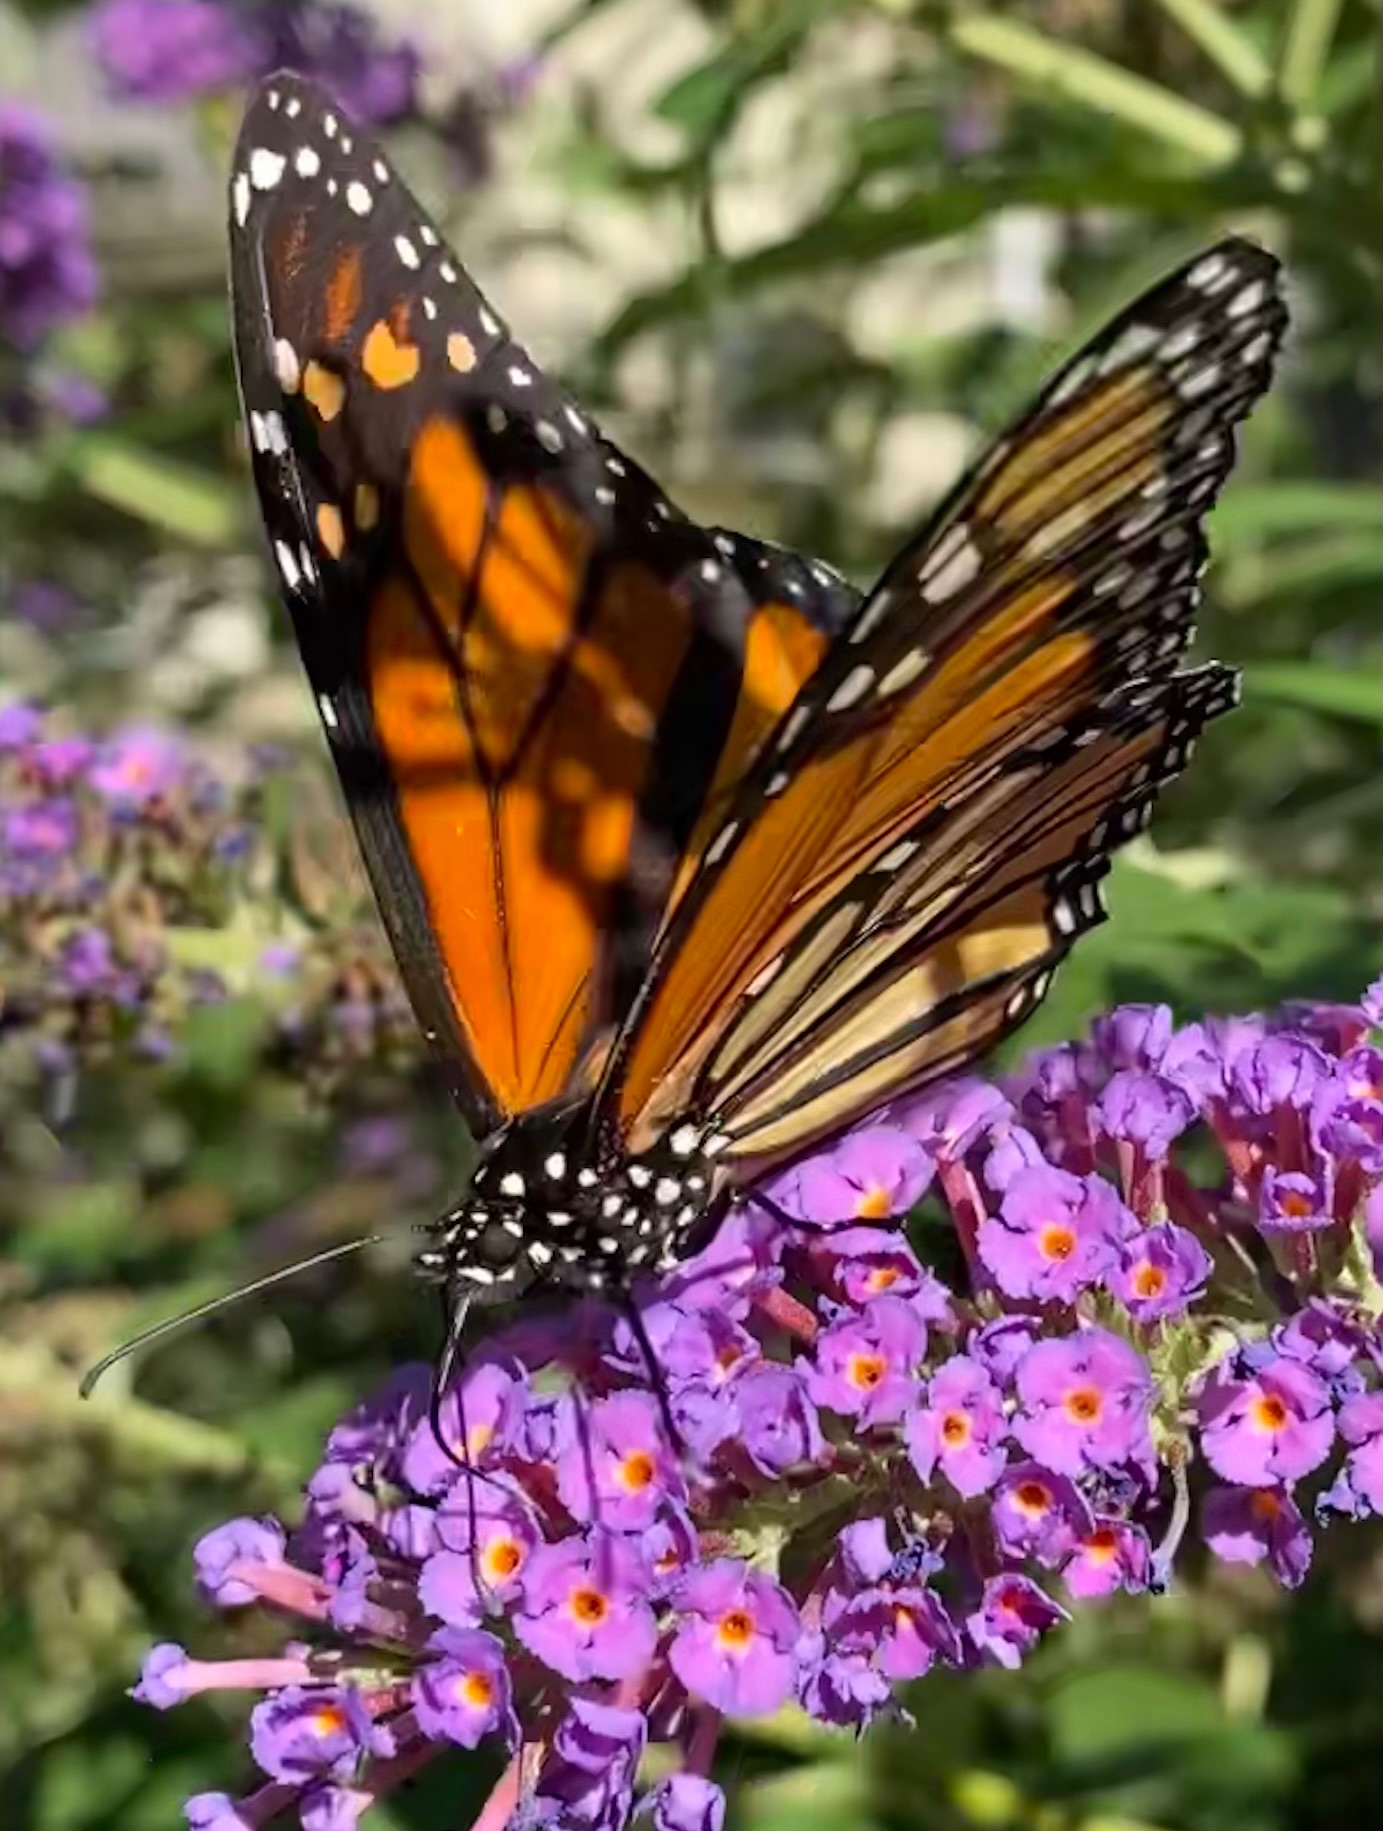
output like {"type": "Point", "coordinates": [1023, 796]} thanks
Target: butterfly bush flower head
{"type": "Point", "coordinates": [47, 271]}
{"type": "Point", "coordinates": [970, 1460]}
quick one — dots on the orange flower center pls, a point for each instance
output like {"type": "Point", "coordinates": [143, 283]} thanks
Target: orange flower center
{"type": "Point", "coordinates": [865, 1370]}
{"type": "Point", "coordinates": [1032, 1498]}
{"type": "Point", "coordinates": [1011, 1601]}
{"type": "Point", "coordinates": [1264, 1505]}
{"type": "Point", "coordinates": [1298, 1206]}
{"type": "Point", "coordinates": [478, 1439]}
{"type": "Point", "coordinates": [636, 1471]}
{"type": "Point", "coordinates": [1056, 1241]}
{"type": "Point", "coordinates": [735, 1630]}
{"type": "Point", "coordinates": [955, 1428]}
{"type": "Point", "coordinates": [874, 1205]}
{"type": "Point", "coordinates": [1149, 1280]}
{"type": "Point", "coordinates": [1102, 1544]}
{"type": "Point", "coordinates": [329, 1720]}
{"type": "Point", "coordinates": [588, 1606]}
{"type": "Point", "coordinates": [1269, 1413]}
{"type": "Point", "coordinates": [502, 1558]}
{"type": "Point", "coordinates": [1083, 1405]}
{"type": "Point", "coordinates": [881, 1278]}
{"type": "Point", "coordinates": [475, 1689]}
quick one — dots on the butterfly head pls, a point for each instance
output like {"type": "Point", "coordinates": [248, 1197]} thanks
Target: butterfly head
{"type": "Point", "coordinates": [544, 1207]}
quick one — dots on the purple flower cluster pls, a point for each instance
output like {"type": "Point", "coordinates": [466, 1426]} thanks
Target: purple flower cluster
{"type": "Point", "coordinates": [47, 272]}
{"type": "Point", "coordinates": [177, 50]}
{"type": "Point", "coordinates": [877, 1472]}
{"type": "Point", "coordinates": [124, 858]}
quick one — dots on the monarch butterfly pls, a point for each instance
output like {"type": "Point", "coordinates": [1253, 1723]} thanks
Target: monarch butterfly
{"type": "Point", "coordinates": [690, 855]}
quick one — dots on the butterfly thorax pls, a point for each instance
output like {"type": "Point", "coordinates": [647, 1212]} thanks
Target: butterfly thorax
{"type": "Point", "coordinates": [547, 1205]}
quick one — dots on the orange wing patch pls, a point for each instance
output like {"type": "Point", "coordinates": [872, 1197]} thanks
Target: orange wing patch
{"type": "Point", "coordinates": [516, 717]}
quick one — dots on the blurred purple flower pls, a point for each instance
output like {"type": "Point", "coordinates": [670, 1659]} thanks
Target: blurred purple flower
{"type": "Point", "coordinates": [47, 272]}
{"type": "Point", "coordinates": [1248, 1525]}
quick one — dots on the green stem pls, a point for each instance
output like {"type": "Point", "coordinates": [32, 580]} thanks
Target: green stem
{"type": "Point", "coordinates": [1205, 23]}
{"type": "Point", "coordinates": [1309, 38]}
{"type": "Point", "coordinates": [1096, 83]}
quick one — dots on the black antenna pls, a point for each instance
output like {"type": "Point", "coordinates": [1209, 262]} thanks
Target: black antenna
{"type": "Point", "coordinates": [173, 1323]}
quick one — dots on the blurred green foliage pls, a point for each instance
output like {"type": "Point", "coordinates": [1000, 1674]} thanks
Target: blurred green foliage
{"type": "Point", "coordinates": [818, 315]}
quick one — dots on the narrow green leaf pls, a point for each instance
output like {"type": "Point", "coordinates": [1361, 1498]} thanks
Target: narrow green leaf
{"type": "Point", "coordinates": [1096, 83]}
{"type": "Point", "coordinates": [1306, 48]}
{"type": "Point", "coordinates": [193, 505]}
{"type": "Point", "coordinates": [1223, 43]}
{"type": "Point", "coordinates": [1350, 693]}
{"type": "Point", "coordinates": [1256, 511]}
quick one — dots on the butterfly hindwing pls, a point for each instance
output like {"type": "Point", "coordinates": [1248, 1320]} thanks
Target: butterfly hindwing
{"type": "Point", "coordinates": [535, 674]}
{"type": "Point", "coordinates": [1060, 576]}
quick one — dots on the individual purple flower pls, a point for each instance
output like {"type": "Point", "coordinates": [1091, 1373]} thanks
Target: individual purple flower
{"type": "Point", "coordinates": [47, 273]}
{"type": "Point", "coordinates": [1001, 1344]}
{"type": "Point", "coordinates": [1085, 1401]}
{"type": "Point", "coordinates": [735, 1645]}
{"type": "Point", "coordinates": [1012, 1617]}
{"type": "Point", "coordinates": [160, 1677]}
{"type": "Point", "coordinates": [961, 1429]}
{"type": "Point", "coordinates": [903, 1628]}
{"type": "Point", "coordinates": [1133, 1037]}
{"type": "Point", "coordinates": [373, 78]}
{"type": "Point", "coordinates": [1012, 1150]}
{"type": "Point", "coordinates": [175, 50]}
{"type": "Point", "coordinates": [866, 1365]}
{"type": "Point", "coordinates": [314, 1733]}
{"type": "Point", "coordinates": [1279, 1070]}
{"type": "Point", "coordinates": [685, 1802]}
{"type": "Point", "coordinates": [215, 1812]}
{"type": "Point", "coordinates": [1145, 1110]}
{"type": "Point", "coordinates": [1054, 1236]}
{"type": "Point", "coordinates": [948, 1119]}
{"type": "Point", "coordinates": [869, 1176]}
{"type": "Point", "coordinates": [617, 1467]}
{"type": "Point", "coordinates": [857, 1264]}
{"type": "Point", "coordinates": [480, 1420]}
{"type": "Point", "coordinates": [778, 1424]}
{"type": "Point", "coordinates": [1249, 1525]}
{"type": "Point", "coordinates": [226, 1555]}
{"type": "Point", "coordinates": [41, 830]}
{"type": "Point", "coordinates": [486, 1537]}
{"type": "Point", "coordinates": [583, 1611]}
{"type": "Point", "coordinates": [20, 726]}
{"type": "Point", "coordinates": [1162, 1271]}
{"type": "Point", "coordinates": [1039, 1514]}
{"type": "Point", "coordinates": [1112, 1555]}
{"type": "Point", "coordinates": [1357, 1491]}
{"type": "Point", "coordinates": [1290, 1201]}
{"type": "Point", "coordinates": [464, 1694]}
{"type": "Point", "coordinates": [586, 1780]}
{"type": "Point", "coordinates": [137, 768]}
{"type": "Point", "coordinates": [846, 1690]}
{"type": "Point", "coordinates": [1330, 1337]}
{"type": "Point", "coordinates": [58, 761]}
{"type": "Point", "coordinates": [1268, 1426]}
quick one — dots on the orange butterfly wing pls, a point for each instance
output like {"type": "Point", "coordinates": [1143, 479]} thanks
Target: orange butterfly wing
{"type": "Point", "coordinates": [537, 679]}
{"type": "Point", "coordinates": [1060, 575]}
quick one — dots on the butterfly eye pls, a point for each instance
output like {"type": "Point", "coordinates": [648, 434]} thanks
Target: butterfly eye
{"type": "Point", "coordinates": [497, 1246]}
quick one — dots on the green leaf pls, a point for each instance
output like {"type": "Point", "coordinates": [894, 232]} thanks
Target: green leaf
{"type": "Point", "coordinates": [705, 100]}
{"type": "Point", "coordinates": [1101, 1713]}
{"type": "Point", "coordinates": [1223, 42]}
{"type": "Point", "coordinates": [1080, 76]}
{"type": "Point", "coordinates": [1259, 511]}
{"type": "Point", "coordinates": [222, 1042]}
{"type": "Point", "coordinates": [1350, 693]}
{"type": "Point", "coordinates": [833, 1793]}
{"type": "Point", "coordinates": [1306, 48]}
{"type": "Point", "coordinates": [193, 505]}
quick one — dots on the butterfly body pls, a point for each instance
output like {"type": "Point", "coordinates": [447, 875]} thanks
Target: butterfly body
{"type": "Point", "coordinates": [691, 855]}
{"type": "Point", "coordinates": [550, 1203]}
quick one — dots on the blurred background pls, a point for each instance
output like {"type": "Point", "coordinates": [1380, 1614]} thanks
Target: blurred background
{"type": "Point", "coordinates": [802, 256]}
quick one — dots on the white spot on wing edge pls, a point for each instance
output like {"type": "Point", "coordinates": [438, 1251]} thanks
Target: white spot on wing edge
{"type": "Point", "coordinates": [307, 162]}
{"type": "Point", "coordinates": [240, 198]}
{"type": "Point", "coordinates": [266, 168]}
{"type": "Point", "coordinates": [852, 689]}
{"type": "Point", "coordinates": [359, 198]}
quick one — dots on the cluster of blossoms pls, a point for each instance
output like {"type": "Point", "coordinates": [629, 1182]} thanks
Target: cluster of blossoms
{"type": "Point", "coordinates": [47, 271]}
{"type": "Point", "coordinates": [178, 50]}
{"type": "Point", "coordinates": [1164, 1310]}
{"type": "Point", "coordinates": [117, 856]}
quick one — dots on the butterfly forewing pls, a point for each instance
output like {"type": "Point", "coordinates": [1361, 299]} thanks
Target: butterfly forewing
{"type": "Point", "coordinates": [1062, 572]}
{"type": "Point", "coordinates": [537, 678]}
